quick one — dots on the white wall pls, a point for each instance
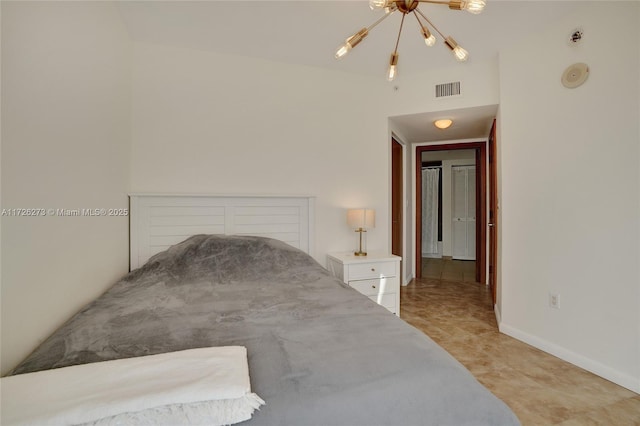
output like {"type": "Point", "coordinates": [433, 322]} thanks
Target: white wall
{"type": "Point", "coordinates": [571, 192]}
{"type": "Point", "coordinates": [65, 144]}
{"type": "Point", "coordinates": [498, 219]}
{"type": "Point", "coordinates": [212, 123]}
{"type": "Point", "coordinates": [415, 93]}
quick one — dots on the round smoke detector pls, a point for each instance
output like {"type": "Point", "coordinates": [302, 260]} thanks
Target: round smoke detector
{"type": "Point", "coordinates": [575, 75]}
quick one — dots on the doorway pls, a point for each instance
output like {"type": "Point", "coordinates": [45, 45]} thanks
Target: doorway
{"type": "Point", "coordinates": [480, 177]}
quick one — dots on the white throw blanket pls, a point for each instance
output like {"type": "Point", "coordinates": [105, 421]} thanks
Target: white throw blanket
{"type": "Point", "coordinates": [195, 386]}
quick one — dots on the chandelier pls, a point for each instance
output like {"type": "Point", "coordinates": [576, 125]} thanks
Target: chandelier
{"type": "Point", "coordinates": [407, 7]}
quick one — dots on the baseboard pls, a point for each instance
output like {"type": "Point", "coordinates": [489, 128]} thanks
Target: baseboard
{"type": "Point", "coordinates": [432, 255]}
{"type": "Point", "coordinates": [615, 376]}
{"type": "Point", "coordinates": [496, 311]}
{"type": "Point", "coordinates": [407, 280]}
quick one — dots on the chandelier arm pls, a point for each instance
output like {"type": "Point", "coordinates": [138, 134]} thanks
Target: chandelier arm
{"type": "Point", "coordinates": [430, 23]}
{"type": "Point", "coordinates": [433, 1]}
{"type": "Point", "coordinates": [386, 15]}
{"type": "Point", "coordinates": [418, 19]}
{"type": "Point", "coordinates": [399, 33]}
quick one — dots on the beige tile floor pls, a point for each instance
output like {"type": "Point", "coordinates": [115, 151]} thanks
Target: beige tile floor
{"type": "Point", "coordinates": [450, 270]}
{"type": "Point", "coordinates": [541, 389]}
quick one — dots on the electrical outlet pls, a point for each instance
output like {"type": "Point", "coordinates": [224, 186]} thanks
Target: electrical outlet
{"type": "Point", "coordinates": [554, 300]}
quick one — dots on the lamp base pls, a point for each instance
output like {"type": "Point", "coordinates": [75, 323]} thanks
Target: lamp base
{"type": "Point", "coordinates": [360, 252]}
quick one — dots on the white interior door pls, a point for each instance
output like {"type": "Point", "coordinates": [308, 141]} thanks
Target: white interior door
{"type": "Point", "coordinates": [463, 225]}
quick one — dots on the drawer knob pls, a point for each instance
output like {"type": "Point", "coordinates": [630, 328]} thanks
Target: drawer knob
{"type": "Point", "coordinates": [373, 286]}
{"type": "Point", "coordinates": [373, 269]}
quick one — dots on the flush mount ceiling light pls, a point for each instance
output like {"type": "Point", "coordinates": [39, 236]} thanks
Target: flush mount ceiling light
{"type": "Point", "coordinates": [411, 7]}
{"type": "Point", "coordinates": [444, 123]}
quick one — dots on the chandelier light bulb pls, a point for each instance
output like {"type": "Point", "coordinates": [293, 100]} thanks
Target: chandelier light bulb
{"type": "Point", "coordinates": [393, 67]}
{"type": "Point", "coordinates": [351, 42]}
{"type": "Point", "coordinates": [377, 4]}
{"type": "Point", "coordinates": [380, 4]}
{"type": "Point", "coordinates": [459, 53]}
{"type": "Point", "coordinates": [429, 39]}
{"type": "Point", "coordinates": [393, 71]}
{"type": "Point", "coordinates": [343, 50]}
{"type": "Point", "coordinates": [474, 6]}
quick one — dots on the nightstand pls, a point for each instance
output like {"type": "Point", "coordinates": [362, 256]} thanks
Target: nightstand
{"type": "Point", "coordinates": [376, 275]}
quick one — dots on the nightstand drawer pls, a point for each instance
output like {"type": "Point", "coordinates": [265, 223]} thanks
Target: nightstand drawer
{"type": "Point", "coordinates": [372, 270]}
{"type": "Point", "coordinates": [386, 300]}
{"type": "Point", "coordinates": [373, 287]}
{"type": "Point", "coordinates": [376, 276]}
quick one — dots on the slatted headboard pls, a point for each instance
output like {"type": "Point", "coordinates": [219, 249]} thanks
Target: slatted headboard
{"type": "Point", "coordinates": [158, 221]}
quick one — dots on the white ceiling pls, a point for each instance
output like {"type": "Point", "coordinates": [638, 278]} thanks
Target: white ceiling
{"type": "Point", "coordinates": [309, 32]}
{"type": "Point", "coordinates": [468, 123]}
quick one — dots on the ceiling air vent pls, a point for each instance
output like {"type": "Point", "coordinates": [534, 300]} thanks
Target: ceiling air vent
{"type": "Point", "coordinates": [447, 89]}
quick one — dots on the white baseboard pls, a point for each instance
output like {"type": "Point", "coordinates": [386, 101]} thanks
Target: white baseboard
{"type": "Point", "coordinates": [615, 376]}
{"type": "Point", "coordinates": [407, 279]}
{"type": "Point", "coordinates": [432, 255]}
{"type": "Point", "coordinates": [498, 315]}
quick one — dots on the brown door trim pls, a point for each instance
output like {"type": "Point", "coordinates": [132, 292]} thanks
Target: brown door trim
{"type": "Point", "coordinates": [397, 198]}
{"type": "Point", "coordinates": [481, 203]}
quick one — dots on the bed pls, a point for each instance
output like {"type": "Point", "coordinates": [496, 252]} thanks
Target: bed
{"type": "Point", "coordinates": [319, 353]}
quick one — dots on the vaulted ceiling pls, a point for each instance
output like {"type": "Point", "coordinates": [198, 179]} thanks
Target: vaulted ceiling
{"type": "Point", "coordinates": [309, 32]}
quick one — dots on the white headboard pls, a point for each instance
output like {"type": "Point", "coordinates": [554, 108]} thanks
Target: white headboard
{"type": "Point", "coordinates": [158, 221]}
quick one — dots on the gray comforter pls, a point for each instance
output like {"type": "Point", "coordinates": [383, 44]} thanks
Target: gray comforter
{"type": "Point", "coordinates": [319, 352]}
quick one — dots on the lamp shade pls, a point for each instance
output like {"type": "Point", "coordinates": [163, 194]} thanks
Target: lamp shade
{"type": "Point", "coordinates": [361, 218]}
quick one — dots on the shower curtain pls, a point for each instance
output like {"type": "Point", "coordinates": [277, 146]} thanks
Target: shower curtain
{"type": "Point", "coordinates": [430, 179]}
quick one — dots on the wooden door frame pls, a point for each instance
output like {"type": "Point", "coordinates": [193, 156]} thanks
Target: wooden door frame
{"type": "Point", "coordinates": [394, 195]}
{"type": "Point", "coordinates": [481, 202]}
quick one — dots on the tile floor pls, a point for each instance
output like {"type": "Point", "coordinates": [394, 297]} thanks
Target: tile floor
{"type": "Point", "coordinates": [450, 270]}
{"type": "Point", "coordinates": [541, 389]}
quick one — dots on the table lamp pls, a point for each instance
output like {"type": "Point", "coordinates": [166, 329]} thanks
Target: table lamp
{"type": "Point", "coordinates": [361, 220]}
